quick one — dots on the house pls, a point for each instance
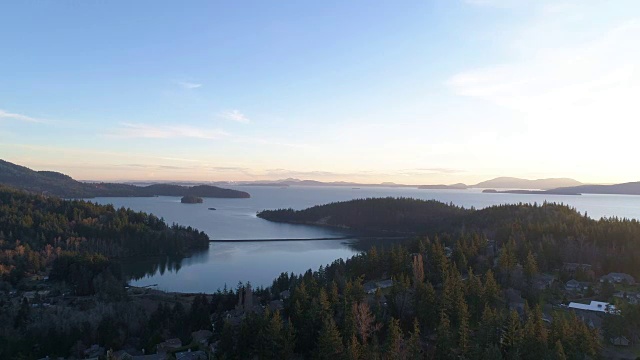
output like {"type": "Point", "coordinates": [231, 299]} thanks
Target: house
{"type": "Point", "coordinates": [276, 305]}
{"type": "Point", "coordinates": [284, 295]}
{"type": "Point", "coordinates": [119, 355]}
{"type": "Point", "coordinates": [632, 298]}
{"type": "Point", "coordinates": [31, 295]}
{"type": "Point", "coordinates": [617, 278]}
{"type": "Point", "coordinates": [578, 286]}
{"type": "Point", "coordinates": [573, 267]}
{"type": "Point", "coordinates": [169, 345]}
{"type": "Point", "coordinates": [149, 357]}
{"type": "Point", "coordinates": [572, 285]}
{"type": "Point", "coordinates": [94, 351]}
{"type": "Point", "coordinates": [448, 252]}
{"type": "Point", "coordinates": [619, 341]}
{"type": "Point", "coordinates": [372, 286]}
{"type": "Point", "coordinates": [201, 337]}
{"type": "Point", "coordinates": [543, 281]}
{"type": "Point", "coordinates": [234, 317]}
{"type": "Point", "coordinates": [595, 306]}
{"type": "Point", "coordinates": [191, 355]}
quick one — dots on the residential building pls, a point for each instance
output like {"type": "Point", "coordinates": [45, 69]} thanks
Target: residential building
{"type": "Point", "coordinates": [617, 278]}
{"type": "Point", "coordinates": [169, 345]}
{"type": "Point", "coordinates": [191, 355]}
{"type": "Point", "coordinates": [371, 286]}
{"type": "Point", "coordinates": [595, 306]}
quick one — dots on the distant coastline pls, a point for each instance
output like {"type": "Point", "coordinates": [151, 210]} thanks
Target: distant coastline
{"type": "Point", "coordinates": [527, 192]}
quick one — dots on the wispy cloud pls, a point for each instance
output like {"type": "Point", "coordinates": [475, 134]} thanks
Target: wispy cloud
{"type": "Point", "coordinates": [229, 168]}
{"type": "Point", "coordinates": [234, 115]}
{"type": "Point", "coordinates": [303, 174]}
{"type": "Point", "coordinates": [563, 82]}
{"type": "Point", "coordinates": [436, 170]}
{"type": "Point", "coordinates": [189, 85]}
{"type": "Point", "coordinates": [129, 130]}
{"type": "Point", "coordinates": [20, 117]}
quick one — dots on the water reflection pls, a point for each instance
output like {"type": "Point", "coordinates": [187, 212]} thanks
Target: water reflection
{"type": "Point", "coordinates": [137, 268]}
{"type": "Point", "coordinates": [227, 263]}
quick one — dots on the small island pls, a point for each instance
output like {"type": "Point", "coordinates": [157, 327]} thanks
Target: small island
{"type": "Point", "coordinates": [191, 200]}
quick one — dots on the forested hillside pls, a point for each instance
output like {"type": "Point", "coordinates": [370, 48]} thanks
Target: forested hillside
{"type": "Point", "coordinates": [558, 232]}
{"type": "Point", "coordinates": [54, 183]}
{"type": "Point", "coordinates": [436, 308]}
{"type": "Point", "coordinates": [36, 230]}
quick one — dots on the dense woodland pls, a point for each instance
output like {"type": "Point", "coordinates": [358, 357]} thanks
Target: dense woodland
{"type": "Point", "coordinates": [558, 233]}
{"type": "Point", "coordinates": [433, 311]}
{"type": "Point", "coordinates": [35, 231]}
{"type": "Point", "coordinates": [450, 297]}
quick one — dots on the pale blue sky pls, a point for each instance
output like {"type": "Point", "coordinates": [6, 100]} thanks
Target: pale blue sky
{"type": "Point", "coordinates": [405, 91]}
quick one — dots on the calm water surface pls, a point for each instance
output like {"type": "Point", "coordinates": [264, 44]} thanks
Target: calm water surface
{"type": "Point", "coordinates": [260, 263]}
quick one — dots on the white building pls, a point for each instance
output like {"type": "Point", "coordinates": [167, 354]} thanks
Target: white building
{"type": "Point", "coordinates": [597, 306]}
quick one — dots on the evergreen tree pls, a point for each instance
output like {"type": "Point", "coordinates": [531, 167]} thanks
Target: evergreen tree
{"type": "Point", "coordinates": [463, 328]}
{"type": "Point", "coordinates": [444, 342]}
{"type": "Point", "coordinates": [288, 340]}
{"type": "Point", "coordinates": [270, 342]}
{"type": "Point", "coordinates": [530, 268]}
{"type": "Point", "coordinates": [23, 314]}
{"type": "Point", "coordinates": [349, 321]}
{"type": "Point", "coordinates": [559, 352]}
{"type": "Point", "coordinates": [512, 337]}
{"type": "Point", "coordinates": [414, 345]}
{"type": "Point", "coordinates": [492, 353]}
{"type": "Point", "coordinates": [394, 343]}
{"type": "Point", "coordinates": [425, 305]}
{"type": "Point", "coordinates": [488, 333]}
{"type": "Point", "coordinates": [534, 342]}
{"type": "Point", "coordinates": [418, 270]}
{"type": "Point", "coordinates": [491, 290]}
{"type": "Point", "coordinates": [475, 296]}
{"type": "Point", "coordinates": [330, 345]}
{"type": "Point", "coordinates": [226, 342]}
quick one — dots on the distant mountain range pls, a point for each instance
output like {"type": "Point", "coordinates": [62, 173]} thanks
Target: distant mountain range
{"type": "Point", "coordinates": [560, 186]}
{"type": "Point", "coordinates": [58, 184]}
{"type": "Point", "coordinates": [512, 183]}
{"type": "Point", "coordinates": [298, 182]}
{"type": "Point", "coordinates": [497, 183]}
{"type": "Point", "coordinates": [55, 183]}
{"type": "Point", "coordinates": [516, 183]}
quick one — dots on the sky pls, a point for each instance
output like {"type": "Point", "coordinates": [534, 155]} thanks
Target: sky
{"type": "Point", "coordinates": [414, 92]}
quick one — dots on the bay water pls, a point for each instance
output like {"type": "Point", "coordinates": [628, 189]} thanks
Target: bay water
{"type": "Point", "coordinates": [227, 263]}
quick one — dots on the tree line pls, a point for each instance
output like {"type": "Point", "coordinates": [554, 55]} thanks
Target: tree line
{"type": "Point", "coordinates": [36, 230]}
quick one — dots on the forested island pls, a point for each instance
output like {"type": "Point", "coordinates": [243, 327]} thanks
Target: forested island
{"type": "Point", "coordinates": [54, 183]}
{"type": "Point", "coordinates": [191, 200]}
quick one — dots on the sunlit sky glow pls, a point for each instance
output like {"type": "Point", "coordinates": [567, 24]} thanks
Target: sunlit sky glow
{"type": "Point", "coordinates": [417, 92]}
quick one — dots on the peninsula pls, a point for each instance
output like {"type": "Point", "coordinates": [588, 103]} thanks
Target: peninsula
{"type": "Point", "coordinates": [61, 185]}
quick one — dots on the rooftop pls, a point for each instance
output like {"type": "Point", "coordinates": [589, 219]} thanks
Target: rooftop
{"type": "Point", "coordinates": [598, 306]}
